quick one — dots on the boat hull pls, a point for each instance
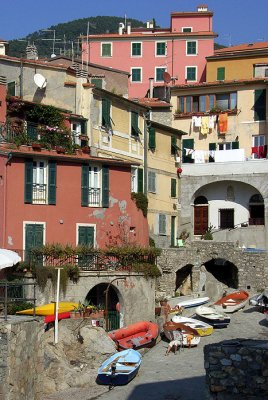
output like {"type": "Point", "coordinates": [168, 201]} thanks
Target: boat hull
{"type": "Point", "coordinates": [212, 317]}
{"type": "Point", "coordinates": [127, 364]}
{"type": "Point", "coordinates": [232, 302]}
{"type": "Point", "coordinates": [187, 338]}
{"type": "Point", "coordinates": [202, 328]}
{"type": "Point", "coordinates": [138, 335]}
{"type": "Point", "coordinates": [195, 302]}
{"type": "Point", "coordinates": [49, 309]}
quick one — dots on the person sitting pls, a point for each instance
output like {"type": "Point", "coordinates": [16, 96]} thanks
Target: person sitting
{"type": "Point", "coordinates": [174, 343]}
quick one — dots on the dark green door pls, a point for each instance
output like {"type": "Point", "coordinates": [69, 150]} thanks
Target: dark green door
{"type": "Point", "coordinates": [85, 238]}
{"type": "Point", "coordinates": [113, 320]}
{"type": "Point", "coordinates": [34, 237]}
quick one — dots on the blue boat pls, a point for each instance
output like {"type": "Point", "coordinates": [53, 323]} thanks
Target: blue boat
{"type": "Point", "coordinates": [120, 368]}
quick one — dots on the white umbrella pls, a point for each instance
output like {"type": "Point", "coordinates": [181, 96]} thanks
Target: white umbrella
{"type": "Point", "coordinates": [8, 258]}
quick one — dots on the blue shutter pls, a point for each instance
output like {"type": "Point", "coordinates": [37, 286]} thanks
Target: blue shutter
{"type": "Point", "coordinates": [84, 185]}
{"type": "Point", "coordinates": [28, 182]}
{"type": "Point", "coordinates": [52, 178]}
{"type": "Point", "coordinates": [105, 186]}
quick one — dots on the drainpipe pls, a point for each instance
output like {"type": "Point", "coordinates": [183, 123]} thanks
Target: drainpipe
{"type": "Point", "coordinates": [4, 180]}
{"type": "Point", "coordinates": [145, 149]}
{"type": "Point", "coordinates": [21, 79]}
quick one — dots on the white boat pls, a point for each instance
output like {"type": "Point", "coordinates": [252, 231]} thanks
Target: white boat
{"type": "Point", "coordinates": [202, 328]}
{"type": "Point", "coordinates": [192, 302]}
{"type": "Point", "coordinates": [211, 316]}
{"type": "Point", "coordinates": [186, 337]}
{"type": "Point", "coordinates": [232, 302]}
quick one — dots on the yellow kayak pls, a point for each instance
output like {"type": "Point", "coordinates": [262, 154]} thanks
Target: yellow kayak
{"type": "Point", "coordinates": [48, 309]}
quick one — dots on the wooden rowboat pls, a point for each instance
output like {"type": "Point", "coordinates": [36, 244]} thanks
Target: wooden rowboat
{"type": "Point", "coordinates": [202, 328]}
{"type": "Point", "coordinates": [187, 336]}
{"type": "Point", "coordinates": [232, 302]}
{"type": "Point", "coordinates": [211, 316]}
{"type": "Point", "coordinates": [120, 368]}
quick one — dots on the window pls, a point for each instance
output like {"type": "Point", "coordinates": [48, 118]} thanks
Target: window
{"type": "Point", "coordinates": [260, 105]}
{"type": "Point", "coordinates": [11, 88]}
{"type": "Point", "coordinates": [152, 143]}
{"type": "Point", "coordinates": [136, 49]}
{"type": "Point", "coordinates": [135, 124]}
{"type": "Point", "coordinates": [228, 146]}
{"type": "Point", "coordinates": [97, 82]}
{"type": "Point", "coordinates": [259, 147]}
{"type": "Point", "coordinates": [191, 73]}
{"type": "Point", "coordinates": [174, 148]}
{"type": "Point", "coordinates": [159, 74]}
{"type": "Point", "coordinates": [162, 224]}
{"type": "Point", "coordinates": [95, 186]}
{"type": "Point", "coordinates": [135, 74]}
{"type": "Point", "coordinates": [173, 189]}
{"type": "Point", "coordinates": [151, 182]}
{"type": "Point", "coordinates": [106, 49]}
{"type": "Point", "coordinates": [187, 146]}
{"type": "Point", "coordinates": [256, 210]}
{"type": "Point", "coordinates": [191, 48]}
{"type": "Point", "coordinates": [226, 218]}
{"type": "Point", "coordinates": [78, 128]}
{"type": "Point", "coordinates": [40, 182]}
{"type": "Point", "coordinates": [186, 29]}
{"type": "Point", "coordinates": [161, 48]}
{"type": "Point", "coordinates": [221, 74]}
{"type": "Point", "coordinates": [106, 113]}
{"type": "Point", "coordinates": [134, 179]}
{"type": "Point", "coordinates": [203, 103]}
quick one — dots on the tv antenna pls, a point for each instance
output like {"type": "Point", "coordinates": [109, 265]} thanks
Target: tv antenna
{"type": "Point", "coordinates": [40, 81]}
{"type": "Point", "coordinates": [53, 40]}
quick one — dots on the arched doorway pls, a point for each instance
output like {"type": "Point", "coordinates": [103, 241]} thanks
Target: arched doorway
{"type": "Point", "coordinates": [200, 215]}
{"type": "Point", "coordinates": [256, 210]}
{"type": "Point", "coordinates": [224, 271]}
{"type": "Point", "coordinates": [184, 284]}
{"type": "Point", "coordinates": [97, 297]}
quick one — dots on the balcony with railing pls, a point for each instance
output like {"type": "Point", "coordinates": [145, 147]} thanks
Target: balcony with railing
{"type": "Point", "coordinates": [94, 197]}
{"type": "Point", "coordinates": [39, 193]}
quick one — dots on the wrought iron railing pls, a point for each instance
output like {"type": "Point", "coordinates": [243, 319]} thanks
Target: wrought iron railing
{"type": "Point", "coordinates": [39, 193]}
{"type": "Point", "coordinates": [15, 292]}
{"type": "Point", "coordinates": [94, 196]}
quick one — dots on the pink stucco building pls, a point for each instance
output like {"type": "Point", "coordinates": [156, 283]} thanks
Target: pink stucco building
{"type": "Point", "coordinates": [180, 50]}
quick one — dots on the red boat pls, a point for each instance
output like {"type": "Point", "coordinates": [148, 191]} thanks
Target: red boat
{"type": "Point", "coordinates": [232, 302]}
{"type": "Point", "coordinates": [135, 336]}
{"type": "Point", "coordinates": [49, 320]}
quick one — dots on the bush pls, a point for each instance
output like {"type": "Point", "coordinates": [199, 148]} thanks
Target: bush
{"type": "Point", "coordinates": [13, 307]}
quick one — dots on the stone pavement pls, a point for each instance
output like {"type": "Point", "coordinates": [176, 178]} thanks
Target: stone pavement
{"type": "Point", "coordinates": [176, 377]}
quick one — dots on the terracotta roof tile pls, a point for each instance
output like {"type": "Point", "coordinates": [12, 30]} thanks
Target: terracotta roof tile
{"type": "Point", "coordinates": [221, 83]}
{"type": "Point", "coordinates": [243, 47]}
{"type": "Point", "coordinates": [144, 35]}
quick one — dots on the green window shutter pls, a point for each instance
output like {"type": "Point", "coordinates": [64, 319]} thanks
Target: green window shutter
{"type": "Point", "coordinates": [140, 180]}
{"type": "Point", "coordinates": [134, 123]}
{"type": "Point", "coordinates": [11, 88]}
{"type": "Point", "coordinates": [84, 186]}
{"type": "Point", "coordinates": [235, 145]}
{"type": "Point", "coordinates": [173, 149]}
{"type": "Point", "coordinates": [260, 105]}
{"type": "Point", "coordinates": [221, 74]}
{"type": "Point", "coordinates": [152, 143]}
{"type": "Point", "coordinates": [97, 82]}
{"type": "Point", "coordinates": [106, 117]}
{"type": "Point", "coordinates": [105, 186]}
{"type": "Point", "coordinates": [52, 178]}
{"type": "Point", "coordinates": [86, 235]}
{"type": "Point", "coordinates": [28, 182]}
{"type": "Point", "coordinates": [212, 146]}
{"type": "Point", "coordinates": [83, 127]}
{"type": "Point", "coordinates": [173, 187]}
{"type": "Point", "coordinates": [32, 131]}
{"type": "Point", "coordinates": [187, 144]}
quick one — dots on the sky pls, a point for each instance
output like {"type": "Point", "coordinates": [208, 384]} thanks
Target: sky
{"type": "Point", "coordinates": [235, 21]}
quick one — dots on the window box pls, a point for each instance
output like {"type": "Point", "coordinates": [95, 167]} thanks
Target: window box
{"type": "Point", "coordinates": [86, 149]}
{"type": "Point", "coordinates": [36, 146]}
{"type": "Point", "coordinates": [60, 150]}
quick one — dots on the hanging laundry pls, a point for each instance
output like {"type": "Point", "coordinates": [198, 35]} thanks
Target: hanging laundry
{"type": "Point", "coordinates": [211, 122]}
{"type": "Point", "coordinates": [261, 152]}
{"type": "Point", "coordinates": [188, 152]}
{"type": "Point", "coordinates": [204, 126]}
{"type": "Point", "coordinates": [199, 156]}
{"type": "Point", "coordinates": [223, 122]}
{"type": "Point", "coordinates": [196, 122]}
{"type": "Point", "coordinates": [254, 150]}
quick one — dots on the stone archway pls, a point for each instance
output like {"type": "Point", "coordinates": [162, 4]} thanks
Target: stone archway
{"type": "Point", "coordinates": [184, 280]}
{"type": "Point", "coordinates": [223, 271]}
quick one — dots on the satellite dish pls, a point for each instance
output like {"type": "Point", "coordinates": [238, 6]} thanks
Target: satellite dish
{"type": "Point", "coordinates": [166, 77]}
{"type": "Point", "coordinates": [40, 81]}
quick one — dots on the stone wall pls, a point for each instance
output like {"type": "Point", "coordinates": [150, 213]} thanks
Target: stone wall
{"type": "Point", "coordinates": [21, 358]}
{"type": "Point", "coordinates": [252, 266]}
{"type": "Point", "coordinates": [237, 370]}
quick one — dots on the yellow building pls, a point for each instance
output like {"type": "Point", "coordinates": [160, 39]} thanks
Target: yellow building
{"type": "Point", "coordinates": [224, 159]}
{"type": "Point", "coordinates": [244, 61]}
{"type": "Point", "coordinates": [121, 128]}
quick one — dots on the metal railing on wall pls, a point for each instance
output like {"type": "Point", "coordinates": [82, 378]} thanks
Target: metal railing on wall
{"type": "Point", "coordinates": [15, 292]}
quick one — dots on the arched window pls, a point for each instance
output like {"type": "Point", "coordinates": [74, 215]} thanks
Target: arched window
{"type": "Point", "coordinates": [256, 210]}
{"type": "Point", "coordinates": [200, 200]}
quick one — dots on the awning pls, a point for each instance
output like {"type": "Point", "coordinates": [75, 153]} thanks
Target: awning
{"type": "Point", "coordinates": [8, 258]}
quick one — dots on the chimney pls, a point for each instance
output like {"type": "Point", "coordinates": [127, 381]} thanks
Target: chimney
{"type": "Point", "coordinates": [129, 28]}
{"type": "Point", "coordinates": [151, 87]}
{"type": "Point", "coordinates": [31, 52]}
{"type": "Point", "coordinates": [202, 8]}
{"type": "Point", "coordinates": [121, 28]}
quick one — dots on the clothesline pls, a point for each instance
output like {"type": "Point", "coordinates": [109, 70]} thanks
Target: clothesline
{"type": "Point", "coordinates": [207, 123]}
